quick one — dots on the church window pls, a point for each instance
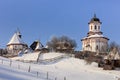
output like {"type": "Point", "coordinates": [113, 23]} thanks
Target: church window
{"type": "Point", "coordinates": [91, 27]}
{"type": "Point", "coordinates": [98, 27]}
{"type": "Point", "coordinates": [95, 27]}
{"type": "Point", "coordinates": [15, 47]}
{"type": "Point", "coordinates": [97, 47]}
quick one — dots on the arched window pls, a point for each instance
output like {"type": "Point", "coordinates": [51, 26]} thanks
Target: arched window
{"type": "Point", "coordinates": [95, 27]}
{"type": "Point", "coordinates": [91, 27]}
{"type": "Point", "coordinates": [99, 27]}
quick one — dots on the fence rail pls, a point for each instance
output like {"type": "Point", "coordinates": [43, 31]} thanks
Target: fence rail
{"type": "Point", "coordinates": [38, 74]}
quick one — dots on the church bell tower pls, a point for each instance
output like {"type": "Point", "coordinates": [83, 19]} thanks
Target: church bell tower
{"type": "Point", "coordinates": [94, 26]}
{"type": "Point", "coordinates": [95, 41]}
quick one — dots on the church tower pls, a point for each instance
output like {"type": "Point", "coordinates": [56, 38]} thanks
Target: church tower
{"type": "Point", "coordinates": [94, 26]}
{"type": "Point", "coordinates": [95, 41]}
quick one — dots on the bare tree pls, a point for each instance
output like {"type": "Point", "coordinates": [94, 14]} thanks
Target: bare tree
{"type": "Point", "coordinates": [52, 43]}
{"type": "Point", "coordinates": [62, 42]}
{"type": "Point", "coordinates": [110, 47]}
{"type": "Point", "coordinates": [114, 46]}
{"type": "Point", "coordinates": [104, 49]}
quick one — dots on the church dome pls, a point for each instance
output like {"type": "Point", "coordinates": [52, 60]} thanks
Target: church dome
{"type": "Point", "coordinates": [95, 19]}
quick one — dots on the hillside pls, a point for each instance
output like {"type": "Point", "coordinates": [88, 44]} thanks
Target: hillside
{"type": "Point", "coordinates": [66, 67]}
{"type": "Point", "coordinates": [12, 73]}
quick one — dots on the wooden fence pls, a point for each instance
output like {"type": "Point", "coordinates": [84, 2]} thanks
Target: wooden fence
{"type": "Point", "coordinates": [42, 75]}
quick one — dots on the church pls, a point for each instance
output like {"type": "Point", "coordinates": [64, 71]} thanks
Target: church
{"type": "Point", "coordinates": [16, 44]}
{"type": "Point", "coordinates": [95, 41]}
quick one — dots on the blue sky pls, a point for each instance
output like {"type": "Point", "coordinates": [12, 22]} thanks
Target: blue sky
{"type": "Point", "coordinates": [42, 19]}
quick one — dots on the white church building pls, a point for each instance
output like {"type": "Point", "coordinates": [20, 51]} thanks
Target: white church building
{"type": "Point", "coordinates": [16, 44]}
{"type": "Point", "coordinates": [95, 41]}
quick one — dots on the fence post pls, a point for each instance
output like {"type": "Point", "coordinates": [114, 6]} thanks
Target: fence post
{"type": "Point", "coordinates": [64, 78]}
{"type": "Point", "coordinates": [55, 78]}
{"type": "Point", "coordinates": [2, 61]}
{"type": "Point", "coordinates": [10, 63]}
{"type": "Point", "coordinates": [37, 74]}
{"type": "Point", "coordinates": [47, 75]}
{"type": "Point", "coordinates": [29, 68]}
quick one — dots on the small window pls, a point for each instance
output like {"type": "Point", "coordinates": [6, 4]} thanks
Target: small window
{"type": "Point", "coordinates": [95, 27]}
{"type": "Point", "coordinates": [91, 27]}
{"type": "Point", "coordinates": [99, 27]}
{"type": "Point", "coordinates": [97, 47]}
{"type": "Point", "coordinates": [15, 46]}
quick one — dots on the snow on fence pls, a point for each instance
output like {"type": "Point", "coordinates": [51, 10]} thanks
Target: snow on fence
{"type": "Point", "coordinates": [28, 68]}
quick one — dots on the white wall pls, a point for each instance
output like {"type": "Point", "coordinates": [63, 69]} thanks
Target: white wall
{"type": "Point", "coordinates": [93, 27]}
{"type": "Point", "coordinates": [93, 43]}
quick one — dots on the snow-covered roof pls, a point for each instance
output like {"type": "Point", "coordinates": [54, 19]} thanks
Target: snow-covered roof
{"type": "Point", "coordinates": [113, 56]}
{"type": "Point", "coordinates": [85, 37]}
{"type": "Point", "coordinates": [96, 35]}
{"type": "Point", "coordinates": [15, 39]}
{"type": "Point", "coordinates": [117, 56]}
{"type": "Point", "coordinates": [46, 46]}
{"type": "Point", "coordinates": [38, 46]}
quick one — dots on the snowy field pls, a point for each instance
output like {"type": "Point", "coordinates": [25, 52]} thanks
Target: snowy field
{"type": "Point", "coordinates": [65, 68]}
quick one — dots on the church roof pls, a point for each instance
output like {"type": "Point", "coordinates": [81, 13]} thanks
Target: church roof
{"type": "Point", "coordinates": [96, 36]}
{"type": "Point", "coordinates": [36, 45]}
{"type": "Point", "coordinates": [15, 39]}
{"type": "Point", "coordinates": [39, 46]}
{"type": "Point", "coordinates": [95, 19]}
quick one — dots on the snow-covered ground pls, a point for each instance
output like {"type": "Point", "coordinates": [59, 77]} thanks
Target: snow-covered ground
{"type": "Point", "coordinates": [8, 72]}
{"type": "Point", "coordinates": [27, 57]}
{"type": "Point", "coordinates": [67, 67]}
{"type": "Point", "coordinates": [50, 55]}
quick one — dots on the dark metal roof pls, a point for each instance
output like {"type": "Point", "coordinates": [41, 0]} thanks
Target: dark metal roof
{"type": "Point", "coordinates": [95, 19]}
